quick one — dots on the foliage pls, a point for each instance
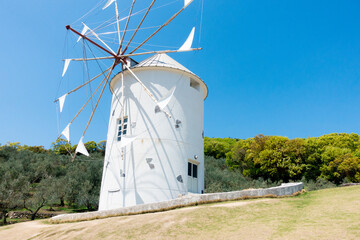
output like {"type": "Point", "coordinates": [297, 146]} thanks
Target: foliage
{"type": "Point", "coordinates": [334, 157]}
{"type": "Point", "coordinates": [218, 147]}
{"type": "Point", "coordinates": [64, 147]}
{"type": "Point", "coordinates": [32, 177]}
{"type": "Point", "coordinates": [11, 190]}
{"type": "Point", "coordinates": [219, 178]}
{"type": "Point", "coordinates": [34, 198]}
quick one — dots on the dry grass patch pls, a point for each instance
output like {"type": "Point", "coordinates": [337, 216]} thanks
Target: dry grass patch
{"type": "Point", "coordinates": [324, 214]}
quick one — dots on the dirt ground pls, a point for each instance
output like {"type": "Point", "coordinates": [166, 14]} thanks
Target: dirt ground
{"type": "Point", "coordinates": [42, 230]}
{"type": "Point", "coordinates": [325, 214]}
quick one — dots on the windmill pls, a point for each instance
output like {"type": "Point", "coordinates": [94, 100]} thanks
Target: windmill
{"type": "Point", "coordinates": [154, 148]}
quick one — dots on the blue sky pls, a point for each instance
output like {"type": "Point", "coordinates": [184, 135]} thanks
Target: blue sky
{"type": "Point", "coordinates": [289, 68]}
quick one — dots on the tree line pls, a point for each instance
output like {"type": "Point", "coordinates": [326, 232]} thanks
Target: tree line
{"type": "Point", "coordinates": [32, 177]}
{"type": "Point", "coordinates": [333, 157]}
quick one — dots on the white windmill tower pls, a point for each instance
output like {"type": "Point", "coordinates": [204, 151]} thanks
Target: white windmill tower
{"type": "Point", "coordinates": [154, 148]}
{"type": "Point", "coordinates": [155, 142]}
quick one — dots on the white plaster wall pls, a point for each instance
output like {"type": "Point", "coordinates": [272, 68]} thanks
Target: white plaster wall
{"type": "Point", "coordinates": [157, 138]}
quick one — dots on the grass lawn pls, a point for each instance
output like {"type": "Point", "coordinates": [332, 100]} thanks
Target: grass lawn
{"type": "Point", "coordinates": [324, 214]}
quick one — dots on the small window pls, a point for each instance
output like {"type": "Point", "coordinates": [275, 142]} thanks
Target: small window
{"type": "Point", "coordinates": [195, 171]}
{"type": "Point", "coordinates": [192, 170]}
{"type": "Point", "coordinates": [189, 169]}
{"type": "Point", "coordinates": [122, 127]}
{"type": "Point", "coordinates": [194, 84]}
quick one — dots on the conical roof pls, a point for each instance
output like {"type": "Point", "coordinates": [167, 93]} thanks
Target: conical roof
{"type": "Point", "coordinates": [162, 60]}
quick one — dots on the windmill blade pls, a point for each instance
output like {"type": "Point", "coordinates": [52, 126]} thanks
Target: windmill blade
{"type": "Point", "coordinates": [162, 103]}
{"type": "Point", "coordinates": [145, 88]}
{"type": "Point", "coordinates": [102, 91]}
{"type": "Point", "coordinates": [87, 102]}
{"type": "Point", "coordinates": [164, 25]}
{"type": "Point", "coordinates": [160, 52]}
{"type": "Point", "coordinates": [85, 29]}
{"type": "Point", "coordinates": [187, 45]}
{"type": "Point", "coordinates": [117, 21]}
{"type": "Point", "coordinates": [81, 148]}
{"type": "Point", "coordinates": [62, 101]}
{"type": "Point", "coordinates": [187, 2]}
{"type": "Point", "coordinates": [126, 26]}
{"type": "Point", "coordinates": [108, 4]}
{"type": "Point", "coordinates": [66, 65]}
{"type": "Point", "coordinates": [66, 132]}
{"type": "Point", "coordinates": [99, 38]}
{"type": "Point", "coordinates": [137, 54]}
{"type": "Point", "coordinates": [82, 85]}
{"type": "Point", "coordinates": [137, 79]}
{"type": "Point", "coordinates": [68, 27]}
{"type": "Point", "coordinates": [126, 140]}
{"type": "Point", "coordinates": [138, 27]}
{"type": "Point", "coordinates": [91, 59]}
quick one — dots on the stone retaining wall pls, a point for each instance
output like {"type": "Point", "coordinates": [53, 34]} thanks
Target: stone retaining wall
{"type": "Point", "coordinates": [286, 189]}
{"type": "Point", "coordinates": [16, 215]}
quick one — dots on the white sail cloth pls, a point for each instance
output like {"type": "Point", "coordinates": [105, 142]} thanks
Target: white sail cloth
{"type": "Point", "coordinates": [66, 132]}
{"type": "Point", "coordinates": [66, 65]}
{"type": "Point", "coordinates": [108, 4]}
{"type": "Point", "coordinates": [127, 140]}
{"type": "Point", "coordinates": [81, 148]}
{"type": "Point", "coordinates": [85, 29]}
{"type": "Point", "coordinates": [187, 45]}
{"type": "Point", "coordinates": [187, 2]}
{"type": "Point", "coordinates": [166, 99]}
{"type": "Point", "coordinates": [62, 101]}
{"type": "Point", "coordinates": [97, 36]}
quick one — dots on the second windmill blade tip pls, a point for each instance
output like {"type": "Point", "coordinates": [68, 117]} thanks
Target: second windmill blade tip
{"type": "Point", "coordinates": [189, 41]}
{"type": "Point", "coordinates": [187, 2]}
{"type": "Point", "coordinates": [108, 4]}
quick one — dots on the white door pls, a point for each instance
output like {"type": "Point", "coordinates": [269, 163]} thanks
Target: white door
{"type": "Point", "coordinates": [192, 177]}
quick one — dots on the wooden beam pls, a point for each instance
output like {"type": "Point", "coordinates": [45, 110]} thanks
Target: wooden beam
{"type": "Point", "coordinates": [137, 29]}
{"type": "Point", "coordinates": [90, 59]}
{"type": "Point", "coordinates": [164, 25]}
{"type": "Point", "coordinates": [127, 23]}
{"type": "Point", "coordinates": [85, 83]}
{"type": "Point", "coordinates": [83, 36]}
{"type": "Point", "coordinates": [159, 52]}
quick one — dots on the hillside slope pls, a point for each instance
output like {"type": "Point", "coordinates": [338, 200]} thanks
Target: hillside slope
{"type": "Point", "coordinates": [325, 214]}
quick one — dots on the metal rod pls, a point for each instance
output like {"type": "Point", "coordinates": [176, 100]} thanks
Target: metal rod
{"type": "Point", "coordinates": [76, 32]}
{"type": "Point", "coordinates": [137, 29]}
{"type": "Point", "coordinates": [164, 25]}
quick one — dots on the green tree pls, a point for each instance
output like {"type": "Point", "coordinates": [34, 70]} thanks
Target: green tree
{"type": "Point", "coordinates": [102, 146]}
{"type": "Point", "coordinates": [37, 197]}
{"type": "Point", "coordinates": [341, 167]}
{"type": "Point", "coordinates": [61, 146]}
{"type": "Point", "coordinates": [218, 147]}
{"type": "Point", "coordinates": [11, 190]}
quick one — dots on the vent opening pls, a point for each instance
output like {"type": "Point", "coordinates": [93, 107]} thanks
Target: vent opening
{"type": "Point", "coordinates": [194, 84]}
